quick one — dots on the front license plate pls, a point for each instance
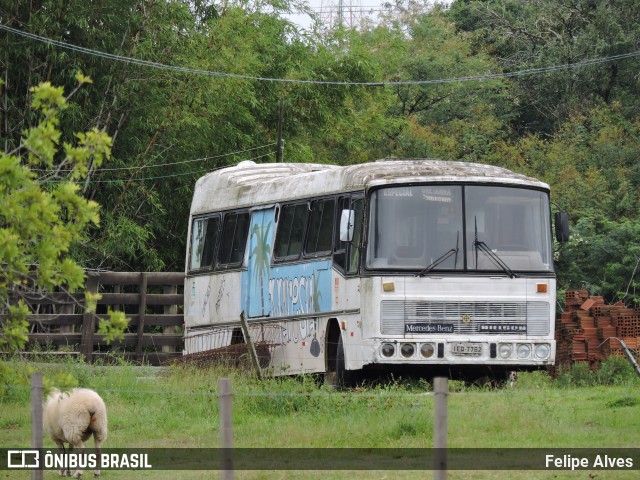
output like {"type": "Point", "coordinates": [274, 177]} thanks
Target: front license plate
{"type": "Point", "coordinates": [473, 349]}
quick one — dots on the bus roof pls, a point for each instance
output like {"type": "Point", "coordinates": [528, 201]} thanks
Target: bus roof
{"type": "Point", "coordinates": [249, 184]}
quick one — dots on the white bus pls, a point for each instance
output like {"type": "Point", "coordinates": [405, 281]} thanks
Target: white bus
{"type": "Point", "coordinates": [430, 265]}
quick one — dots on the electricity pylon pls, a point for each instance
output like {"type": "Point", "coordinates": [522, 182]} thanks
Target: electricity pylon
{"type": "Point", "coordinates": [345, 13]}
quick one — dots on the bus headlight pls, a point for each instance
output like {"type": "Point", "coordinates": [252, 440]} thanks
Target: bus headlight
{"type": "Point", "coordinates": [504, 350]}
{"type": "Point", "coordinates": [407, 350]}
{"type": "Point", "coordinates": [523, 350]}
{"type": "Point", "coordinates": [543, 351]}
{"type": "Point", "coordinates": [387, 350]}
{"type": "Point", "coordinates": [427, 350]}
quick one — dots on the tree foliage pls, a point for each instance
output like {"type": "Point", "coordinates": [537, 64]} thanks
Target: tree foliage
{"type": "Point", "coordinates": [43, 216]}
{"type": "Point", "coordinates": [575, 128]}
{"type": "Point", "coordinates": [542, 33]}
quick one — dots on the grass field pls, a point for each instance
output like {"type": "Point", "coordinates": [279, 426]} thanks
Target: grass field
{"type": "Point", "coordinates": [178, 407]}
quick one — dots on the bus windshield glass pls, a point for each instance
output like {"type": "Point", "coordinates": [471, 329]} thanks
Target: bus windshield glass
{"type": "Point", "coordinates": [459, 227]}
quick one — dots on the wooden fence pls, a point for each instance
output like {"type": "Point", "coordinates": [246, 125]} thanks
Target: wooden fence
{"type": "Point", "coordinates": [153, 302]}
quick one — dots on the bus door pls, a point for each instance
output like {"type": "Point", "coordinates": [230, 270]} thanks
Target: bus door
{"type": "Point", "coordinates": [255, 283]}
{"type": "Point", "coordinates": [346, 256]}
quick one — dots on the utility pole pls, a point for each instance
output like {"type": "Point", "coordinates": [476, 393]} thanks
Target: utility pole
{"type": "Point", "coordinates": [280, 142]}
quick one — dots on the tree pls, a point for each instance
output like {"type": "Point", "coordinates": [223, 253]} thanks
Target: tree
{"type": "Point", "coordinates": [542, 33]}
{"type": "Point", "coordinates": [161, 121]}
{"type": "Point", "coordinates": [418, 116]}
{"type": "Point", "coordinates": [577, 129]}
{"type": "Point", "coordinates": [42, 214]}
{"type": "Point", "coordinates": [604, 257]}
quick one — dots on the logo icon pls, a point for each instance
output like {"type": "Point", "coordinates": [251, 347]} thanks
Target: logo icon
{"type": "Point", "coordinates": [23, 459]}
{"type": "Point", "coordinates": [466, 318]}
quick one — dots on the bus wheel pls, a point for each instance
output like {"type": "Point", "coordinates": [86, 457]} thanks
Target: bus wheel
{"type": "Point", "coordinates": [343, 378]}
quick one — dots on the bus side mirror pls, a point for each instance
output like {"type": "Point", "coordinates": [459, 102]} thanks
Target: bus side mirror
{"type": "Point", "coordinates": [346, 225]}
{"type": "Point", "coordinates": [562, 226]}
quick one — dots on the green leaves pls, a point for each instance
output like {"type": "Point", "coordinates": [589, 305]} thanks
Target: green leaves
{"type": "Point", "coordinates": [82, 79]}
{"type": "Point", "coordinates": [48, 99]}
{"type": "Point", "coordinates": [603, 255]}
{"type": "Point", "coordinates": [113, 329]}
{"type": "Point", "coordinates": [522, 35]}
{"type": "Point", "coordinates": [15, 329]}
{"type": "Point", "coordinates": [41, 222]}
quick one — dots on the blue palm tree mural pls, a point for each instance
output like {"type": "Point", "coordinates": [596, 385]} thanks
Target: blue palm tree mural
{"type": "Point", "coordinates": [261, 257]}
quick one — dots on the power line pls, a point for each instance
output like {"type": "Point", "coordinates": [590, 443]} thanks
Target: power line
{"type": "Point", "coordinates": [147, 63]}
{"type": "Point", "coordinates": [115, 169]}
{"type": "Point", "coordinates": [159, 177]}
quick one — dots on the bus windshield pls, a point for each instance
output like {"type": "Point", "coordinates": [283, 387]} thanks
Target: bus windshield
{"type": "Point", "coordinates": [459, 228]}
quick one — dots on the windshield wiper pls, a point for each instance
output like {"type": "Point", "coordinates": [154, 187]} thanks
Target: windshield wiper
{"type": "Point", "coordinates": [479, 245]}
{"type": "Point", "coordinates": [442, 258]}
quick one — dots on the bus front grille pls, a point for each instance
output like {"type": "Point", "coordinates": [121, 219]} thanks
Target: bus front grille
{"type": "Point", "coordinates": [400, 317]}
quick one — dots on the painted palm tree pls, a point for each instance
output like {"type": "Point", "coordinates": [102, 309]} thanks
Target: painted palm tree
{"type": "Point", "coordinates": [261, 257]}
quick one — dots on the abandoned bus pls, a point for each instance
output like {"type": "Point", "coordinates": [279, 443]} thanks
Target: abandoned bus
{"type": "Point", "coordinates": [430, 265]}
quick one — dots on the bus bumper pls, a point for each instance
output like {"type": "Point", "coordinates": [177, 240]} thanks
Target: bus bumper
{"type": "Point", "coordinates": [499, 351]}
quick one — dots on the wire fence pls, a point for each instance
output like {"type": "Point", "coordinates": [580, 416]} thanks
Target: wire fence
{"type": "Point", "coordinates": [225, 396]}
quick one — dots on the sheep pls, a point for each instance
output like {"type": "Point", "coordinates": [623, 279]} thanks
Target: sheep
{"type": "Point", "coordinates": [72, 417]}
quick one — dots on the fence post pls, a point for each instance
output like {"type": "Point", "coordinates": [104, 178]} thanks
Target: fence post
{"type": "Point", "coordinates": [170, 310]}
{"type": "Point", "coordinates": [36, 419]}
{"type": "Point", "coordinates": [142, 306]}
{"type": "Point", "coordinates": [65, 309]}
{"type": "Point", "coordinates": [226, 429]}
{"type": "Point", "coordinates": [89, 320]}
{"type": "Point", "coordinates": [440, 390]}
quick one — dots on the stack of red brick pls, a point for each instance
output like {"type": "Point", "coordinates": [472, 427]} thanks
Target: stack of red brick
{"type": "Point", "coordinates": [588, 330]}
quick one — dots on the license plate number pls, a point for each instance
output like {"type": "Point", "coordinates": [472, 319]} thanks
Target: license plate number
{"type": "Point", "coordinates": [473, 349]}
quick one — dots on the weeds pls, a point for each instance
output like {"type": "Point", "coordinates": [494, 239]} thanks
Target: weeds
{"type": "Point", "coordinates": [178, 407]}
{"type": "Point", "coordinates": [623, 402]}
{"type": "Point", "coordinates": [614, 371]}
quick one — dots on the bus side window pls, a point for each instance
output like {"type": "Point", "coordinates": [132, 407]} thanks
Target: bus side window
{"type": "Point", "coordinates": [319, 237]}
{"type": "Point", "coordinates": [235, 230]}
{"type": "Point", "coordinates": [204, 238]}
{"type": "Point", "coordinates": [291, 227]}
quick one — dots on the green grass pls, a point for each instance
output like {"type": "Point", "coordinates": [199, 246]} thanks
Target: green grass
{"type": "Point", "coordinates": [178, 407]}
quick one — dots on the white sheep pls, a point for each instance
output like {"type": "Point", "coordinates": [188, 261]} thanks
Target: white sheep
{"type": "Point", "coordinates": [72, 417]}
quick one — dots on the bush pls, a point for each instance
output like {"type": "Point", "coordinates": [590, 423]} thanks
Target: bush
{"type": "Point", "coordinates": [617, 371]}
{"type": "Point", "coordinates": [579, 375]}
{"type": "Point", "coordinates": [613, 371]}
